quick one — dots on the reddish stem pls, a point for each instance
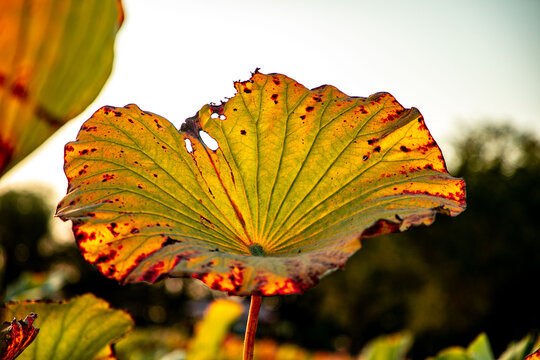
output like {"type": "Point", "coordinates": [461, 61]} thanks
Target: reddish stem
{"type": "Point", "coordinates": [251, 328]}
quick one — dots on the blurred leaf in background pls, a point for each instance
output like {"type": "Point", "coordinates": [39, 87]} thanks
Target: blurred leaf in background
{"type": "Point", "coordinates": [56, 57]}
{"type": "Point", "coordinates": [24, 223]}
{"type": "Point", "coordinates": [210, 333]}
{"type": "Point", "coordinates": [76, 329]}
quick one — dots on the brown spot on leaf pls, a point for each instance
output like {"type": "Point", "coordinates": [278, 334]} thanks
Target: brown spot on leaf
{"type": "Point", "coordinates": [309, 108]}
{"type": "Point", "coordinates": [372, 141]}
{"type": "Point", "coordinates": [404, 148]}
{"type": "Point", "coordinates": [206, 223]}
{"type": "Point", "coordinates": [107, 177]}
{"type": "Point", "coordinates": [170, 241]}
{"type": "Point", "coordinates": [6, 153]}
{"type": "Point", "coordinates": [377, 149]}
{"type": "Point", "coordinates": [243, 132]}
{"type": "Point", "coordinates": [20, 91]}
{"type": "Point", "coordinates": [112, 228]}
{"type": "Point", "coordinates": [158, 124]}
{"type": "Point", "coordinates": [105, 257]}
{"type": "Point", "coordinates": [392, 117]}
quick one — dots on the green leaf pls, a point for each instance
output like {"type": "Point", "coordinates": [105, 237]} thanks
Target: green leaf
{"type": "Point", "coordinates": [56, 56]}
{"type": "Point", "coordinates": [480, 349]}
{"type": "Point", "coordinates": [299, 176]}
{"type": "Point", "coordinates": [390, 347]}
{"type": "Point", "coordinates": [518, 350]}
{"type": "Point", "coordinates": [151, 343]}
{"type": "Point", "coordinates": [76, 329]}
{"type": "Point", "coordinates": [453, 353]}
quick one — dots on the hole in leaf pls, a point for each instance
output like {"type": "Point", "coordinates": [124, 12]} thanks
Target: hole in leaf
{"type": "Point", "coordinates": [209, 141]}
{"type": "Point", "coordinates": [214, 116]}
{"type": "Point", "coordinates": [222, 117]}
{"type": "Point", "coordinates": [189, 148]}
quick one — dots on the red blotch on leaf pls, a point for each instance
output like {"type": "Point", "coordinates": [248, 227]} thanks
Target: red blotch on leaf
{"type": "Point", "coordinates": [380, 227]}
{"type": "Point", "coordinates": [17, 336]}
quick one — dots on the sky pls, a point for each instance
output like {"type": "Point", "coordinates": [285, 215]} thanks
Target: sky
{"type": "Point", "coordinates": [459, 62]}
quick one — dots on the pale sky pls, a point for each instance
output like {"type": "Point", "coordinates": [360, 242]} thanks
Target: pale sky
{"type": "Point", "coordinates": [458, 61]}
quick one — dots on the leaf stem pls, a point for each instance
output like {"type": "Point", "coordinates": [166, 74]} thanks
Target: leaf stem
{"type": "Point", "coordinates": [251, 327]}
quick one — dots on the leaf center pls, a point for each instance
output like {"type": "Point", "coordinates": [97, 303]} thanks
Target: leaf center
{"type": "Point", "coordinates": [256, 250]}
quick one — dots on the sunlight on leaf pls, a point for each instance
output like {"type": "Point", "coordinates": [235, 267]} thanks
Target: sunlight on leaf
{"type": "Point", "coordinates": [76, 329]}
{"type": "Point", "coordinates": [480, 348]}
{"type": "Point", "coordinates": [17, 336]}
{"type": "Point", "coordinates": [298, 178]}
{"type": "Point", "coordinates": [519, 350]}
{"type": "Point", "coordinates": [56, 56]}
{"type": "Point", "coordinates": [390, 347]}
{"type": "Point", "coordinates": [211, 331]}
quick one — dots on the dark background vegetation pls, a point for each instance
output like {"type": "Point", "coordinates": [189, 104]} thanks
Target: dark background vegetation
{"type": "Point", "coordinates": [446, 283]}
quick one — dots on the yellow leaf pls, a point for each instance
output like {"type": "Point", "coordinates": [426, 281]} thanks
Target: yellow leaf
{"type": "Point", "coordinates": [298, 178]}
{"type": "Point", "coordinates": [56, 56]}
{"type": "Point", "coordinates": [211, 331]}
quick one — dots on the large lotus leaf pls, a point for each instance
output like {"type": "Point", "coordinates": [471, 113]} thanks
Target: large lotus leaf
{"type": "Point", "coordinates": [55, 57]}
{"type": "Point", "coordinates": [298, 178]}
{"type": "Point", "coordinates": [76, 329]}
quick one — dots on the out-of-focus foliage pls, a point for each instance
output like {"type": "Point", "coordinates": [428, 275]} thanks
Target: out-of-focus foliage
{"type": "Point", "coordinates": [480, 349]}
{"type": "Point", "coordinates": [152, 343]}
{"type": "Point", "coordinates": [56, 57]}
{"type": "Point", "coordinates": [24, 222]}
{"type": "Point", "coordinates": [210, 333]}
{"type": "Point", "coordinates": [72, 330]}
{"type": "Point", "coordinates": [391, 347]}
{"type": "Point", "coordinates": [37, 285]}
